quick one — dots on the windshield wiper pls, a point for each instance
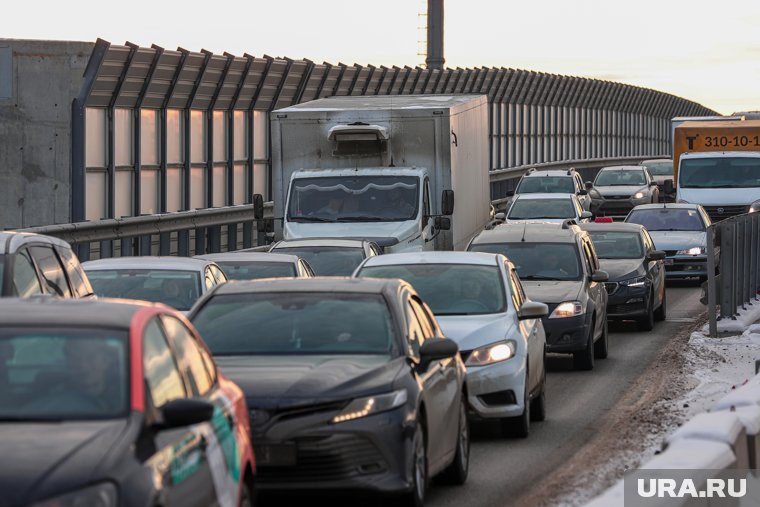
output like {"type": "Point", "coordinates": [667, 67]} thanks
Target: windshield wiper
{"type": "Point", "coordinates": [538, 277]}
{"type": "Point", "coordinates": [311, 219]}
{"type": "Point", "coordinates": [361, 218]}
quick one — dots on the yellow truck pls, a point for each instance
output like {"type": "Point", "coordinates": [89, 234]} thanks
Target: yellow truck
{"type": "Point", "coordinates": [717, 165]}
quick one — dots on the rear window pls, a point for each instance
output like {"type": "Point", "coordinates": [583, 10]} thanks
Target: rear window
{"type": "Point", "coordinates": [546, 184]}
{"type": "Point", "coordinates": [328, 260]}
{"type": "Point", "coordinates": [240, 270]}
{"type": "Point", "coordinates": [179, 289]}
{"type": "Point", "coordinates": [296, 324]}
{"type": "Point", "coordinates": [539, 261]}
{"type": "Point", "coordinates": [617, 245]}
{"type": "Point", "coordinates": [528, 209]}
{"type": "Point", "coordinates": [667, 219]}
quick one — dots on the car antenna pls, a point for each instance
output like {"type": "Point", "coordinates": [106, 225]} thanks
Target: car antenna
{"type": "Point", "coordinates": [525, 228]}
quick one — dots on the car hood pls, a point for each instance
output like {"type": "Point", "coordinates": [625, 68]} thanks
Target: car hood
{"type": "Point", "coordinates": [282, 381]}
{"type": "Point", "coordinates": [42, 460]}
{"type": "Point", "coordinates": [677, 240]}
{"type": "Point", "coordinates": [552, 291]}
{"type": "Point", "coordinates": [622, 269]}
{"type": "Point", "coordinates": [473, 331]}
{"type": "Point", "coordinates": [620, 190]}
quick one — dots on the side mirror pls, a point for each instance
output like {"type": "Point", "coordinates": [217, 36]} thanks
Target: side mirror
{"type": "Point", "coordinates": [186, 412]}
{"type": "Point", "coordinates": [510, 193]}
{"type": "Point", "coordinates": [656, 255]}
{"type": "Point", "coordinates": [589, 185]}
{"type": "Point", "coordinates": [586, 215]}
{"type": "Point", "coordinates": [437, 349]}
{"type": "Point", "coordinates": [258, 206]}
{"type": "Point", "coordinates": [582, 192]}
{"type": "Point", "coordinates": [500, 216]}
{"type": "Point", "coordinates": [668, 186]}
{"type": "Point", "coordinates": [600, 276]}
{"type": "Point", "coordinates": [447, 202]}
{"type": "Point", "coordinates": [532, 310]}
{"type": "Point", "coordinates": [442, 223]}
{"type": "Point", "coordinates": [652, 183]}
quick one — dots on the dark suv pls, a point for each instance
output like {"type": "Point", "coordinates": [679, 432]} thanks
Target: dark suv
{"type": "Point", "coordinates": [553, 181]}
{"type": "Point", "coordinates": [557, 265]}
{"type": "Point", "coordinates": [32, 264]}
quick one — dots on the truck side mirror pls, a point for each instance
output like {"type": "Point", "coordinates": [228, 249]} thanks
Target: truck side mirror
{"type": "Point", "coordinates": [668, 186]}
{"type": "Point", "coordinates": [442, 223]}
{"type": "Point", "coordinates": [447, 202]}
{"type": "Point", "coordinates": [258, 206]}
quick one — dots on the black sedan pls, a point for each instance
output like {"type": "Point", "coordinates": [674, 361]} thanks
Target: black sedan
{"type": "Point", "coordinates": [350, 383]}
{"type": "Point", "coordinates": [106, 403]}
{"type": "Point", "coordinates": [636, 287]}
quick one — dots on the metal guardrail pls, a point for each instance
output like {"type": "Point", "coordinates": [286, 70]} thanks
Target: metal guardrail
{"type": "Point", "coordinates": [732, 246]}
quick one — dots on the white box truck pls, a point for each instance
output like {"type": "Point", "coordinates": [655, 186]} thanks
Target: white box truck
{"type": "Point", "coordinates": [384, 168]}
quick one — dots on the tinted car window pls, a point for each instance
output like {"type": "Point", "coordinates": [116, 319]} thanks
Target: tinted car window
{"type": "Point", "coordinates": [250, 270]}
{"type": "Point", "coordinates": [449, 289]}
{"type": "Point", "coordinates": [67, 374]}
{"type": "Point", "coordinates": [179, 289]}
{"type": "Point", "coordinates": [617, 245]}
{"type": "Point", "coordinates": [188, 355]}
{"type": "Point", "coordinates": [78, 279]}
{"type": "Point", "coordinates": [667, 219]}
{"type": "Point", "coordinates": [161, 372]}
{"type": "Point", "coordinates": [526, 209]}
{"type": "Point", "coordinates": [52, 271]}
{"type": "Point", "coordinates": [25, 281]}
{"type": "Point", "coordinates": [546, 184]}
{"type": "Point", "coordinates": [538, 261]}
{"type": "Point", "coordinates": [328, 261]}
{"type": "Point", "coordinates": [295, 323]}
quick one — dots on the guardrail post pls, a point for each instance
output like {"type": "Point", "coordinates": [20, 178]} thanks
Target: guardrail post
{"type": "Point", "coordinates": [737, 286]}
{"type": "Point", "coordinates": [145, 245]}
{"type": "Point", "coordinates": [247, 234]}
{"type": "Point", "coordinates": [232, 237]}
{"type": "Point", "coordinates": [746, 255]}
{"type": "Point", "coordinates": [106, 249]}
{"type": "Point", "coordinates": [711, 285]}
{"type": "Point", "coordinates": [756, 251]}
{"type": "Point", "coordinates": [164, 243]}
{"type": "Point", "coordinates": [726, 271]}
{"type": "Point", "coordinates": [83, 251]}
{"type": "Point", "coordinates": [183, 243]}
{"type": "Point", "coordinates": [126, 247]}
{"type": "Point", "coordinates": [214, 239]}
{"type": "Point", "coordinates": [200, 241]}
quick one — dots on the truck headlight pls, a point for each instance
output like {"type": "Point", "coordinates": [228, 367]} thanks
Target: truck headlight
{"type": "Point", "coordinates": [100, 495]}
{"type": "Point", "coordinates": [362, 407]}
{"type": "Point", "coordinates": [754, 207]}
{"type": "Point", "coordinates": [696, 250]}
{"type": "Point", "coordinates": [639, 281]}
{"type": "Point", "coordinates": [567, 309]}
{"type": "Point", "coordinates": [492, 353]}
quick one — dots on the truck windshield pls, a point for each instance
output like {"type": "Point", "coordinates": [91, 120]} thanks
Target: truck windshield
{"type": "Point", "coordinates": [620, 178]}
{"type": "Point", "coordinates": [354, 199]}
{"type": "Point", "coordinates": [720, 172]}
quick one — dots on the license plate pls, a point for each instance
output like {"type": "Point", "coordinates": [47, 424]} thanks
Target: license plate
{"type": "Point", "coordinates": [275, 455]}
{"type": "Point", "coordinates": [668, 262]}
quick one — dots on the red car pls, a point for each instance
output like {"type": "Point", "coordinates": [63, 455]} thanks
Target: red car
{"type": "Point", "coordinates": [108, 402]}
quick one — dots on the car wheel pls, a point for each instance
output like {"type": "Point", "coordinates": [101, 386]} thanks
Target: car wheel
{"type": "Point", "coordinates": [601, 347]}
{"type": "Point", "coordinates": [519, 426]}
{"type": "Point", "coordinates": [661, 313]}
{"type": "Point", "coordinates": [538, 405]}
{"type": "Point", "coordinates": [416, 497]}
{"type": "Point", "coordinates": [456, 472]}
{"type": "Point", "coordinates": [646, 323]}
{"type": "Point", "coordinates": [584, 359]}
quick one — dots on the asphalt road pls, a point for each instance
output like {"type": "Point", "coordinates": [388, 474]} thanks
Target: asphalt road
{"type": "Point", "coordinates": [503, 469]}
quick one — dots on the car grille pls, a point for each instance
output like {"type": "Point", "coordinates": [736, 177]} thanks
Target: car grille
{"type": "Point", "coordinates": [623, 308]}
{"type": "Point", "coordinates": [718, 213]}
{"type": "Point", "coordinates": [614, 207]}
{"type": "Point", "coordinates": [334, 457]}
{"type": "Point", "coordinates": [499, 398]}
{"type": "Point", "coordinates": [611, 287]}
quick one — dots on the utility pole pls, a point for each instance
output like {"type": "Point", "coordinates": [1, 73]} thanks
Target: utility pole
{"type": "Point", "coordinates": [435, 58]}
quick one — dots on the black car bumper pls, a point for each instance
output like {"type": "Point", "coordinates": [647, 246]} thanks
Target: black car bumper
{"type": "Point", "coordinates": [569, 334]}
{"type": "Point", "coordinates": [368, 454]}
{"type": "Point", "coordinates": [685, 266]}
{"type": "Point", "coordinates": [625, 302]}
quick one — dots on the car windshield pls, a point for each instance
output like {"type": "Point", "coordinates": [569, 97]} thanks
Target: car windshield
{"type": "Point", "coordinates": [538, 261]}
{"type": "Point", "coordinates": [450, 289]}
{"type": "Point", "coordinates": [739, 172]}
{"type": "Point", "coordinates": [354, 199]}
{"type": "Point", "coordinates": [667, 219]}
{"type": "Point", "coordinates": [252, 270]}
{"type": "Point", "coordinates": [296, 323]}
{"type": "Point", "coordinates": [620, 178]}
{"type": "Point", "coordinates": [177, 288]}
{"type": "Point", "coordinates": [62, 374]}
{"type": "Point", "coordinates": [546, 184]}
{"type": "Point", "coordinates": [533, 209]}
{"type": "Point", "coordinates": [660, 168]}
{"type": "Point", "coordinates": [617, 245]}
{"type": "Point", "coordinates": [328, 260]}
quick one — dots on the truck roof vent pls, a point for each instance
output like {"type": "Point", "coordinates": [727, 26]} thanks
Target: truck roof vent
{"type": "Point", "coordinates": [358, 132]}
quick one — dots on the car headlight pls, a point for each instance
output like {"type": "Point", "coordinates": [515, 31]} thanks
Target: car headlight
{"type": "Point", "coordinates": [362, 407]}
{"type": "Point", "coordinates": [639, 281]}
{"type": "Point", "coordinates": [696, 250]}
{"type": "Point", "coordinates": [567, 309]}
{"type": "Point", "coordinates": [754, 207]}
{"type": "Point", "coordinates": [639, 195]}
{"type": "Point", "coordinates": [492, 353]}
{"type": "Point", "coordinates": [100, 495]}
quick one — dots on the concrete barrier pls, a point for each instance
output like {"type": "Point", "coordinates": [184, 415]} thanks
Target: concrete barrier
{"type": "Point", "coordinates": [724, 427]}
{"type": "Point", "coordinates": [746, 395]}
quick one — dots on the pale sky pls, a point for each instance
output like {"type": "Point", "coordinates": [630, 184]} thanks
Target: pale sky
{"type": "Point", "coordinates": [706, 51]}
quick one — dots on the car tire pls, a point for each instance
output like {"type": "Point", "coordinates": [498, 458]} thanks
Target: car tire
{"type": "Point", "coordinates": [538, 405]}
{"type": "Point", "coordinates": [584, 359]}
{"type": "Point", "coordinates": [416, 497]}
{"type": "Point", "coordinates": [662, 312]}
{"type": "Point", "coordinates": [456, 472]}
{"type": "Point", "coordinates": [646, 323]}
{"type": "Point", "coordinates": [601, 347]}
{"type": "Point", "coordinates": [519, 426]}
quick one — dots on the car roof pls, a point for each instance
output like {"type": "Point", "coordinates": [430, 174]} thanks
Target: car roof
{"type": "Point", "coordinates": [528, 233]}
{"type": "Point", "coordinates": [249, 256]}
{"type": "Point", "coordinates": [621, 168]}
{"type": "Point", "coordinates": [52, 311]}
{"type": "Point", "coordinates": [550, 172]}
{"type": "Point", "coordinates": [473, 258]}
{"type": "Point", "coordinates": [148, 262]}
{"type": "Point", "coordinates": [542, 195]}
{"type": "Point", "coordinates": [656, 161]}
{"type": "Point", "coordinates": [11, 241]}
{"type": "Point", "coordinates": [336, 242]}
{"type": "Point", "coordinates": [612, 227]}
{"type": "Point", "coordinates": [667, 205]}
{"type": "Point", "coordinates": [317, 284]}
